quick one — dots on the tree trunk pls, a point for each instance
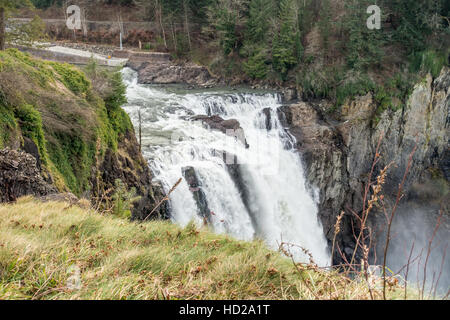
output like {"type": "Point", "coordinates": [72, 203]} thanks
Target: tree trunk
{"type": "Point", "coordinates": [2, 29]}
{"type": "Point", "coordinates": [186, 23]}
{"type": "Point", "coordinates": [162, 26]}
{"type": "Point", "coordinates": [173, 36]}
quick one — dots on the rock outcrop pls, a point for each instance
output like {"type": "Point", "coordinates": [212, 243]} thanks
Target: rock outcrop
{"type": "Point", "coordinates": [229, 127]}
{"type": "Point", "coordinates": [20, 176]}
{"type": "Point", "coordinates": [171, 73]}
{"type": "Point", "coordinates": [80, 143]}
{"type": "Point", "coordinates": [338, 153]}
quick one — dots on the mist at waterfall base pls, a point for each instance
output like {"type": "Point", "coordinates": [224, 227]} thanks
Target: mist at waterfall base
{"type": "Point", "coordinates": [270, 200]}
{"type": "Point", "coordinates": [412, 231]}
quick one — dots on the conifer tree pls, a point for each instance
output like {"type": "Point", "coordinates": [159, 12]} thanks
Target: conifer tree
{"type": "Point", "coordinates": [284, 52]}
{"type": "Point", "coordinates": [228, 17]}
{"type": "Point", "coordinates": [363, 46]}
{"type": "Point", "coordinates": [257, 38]}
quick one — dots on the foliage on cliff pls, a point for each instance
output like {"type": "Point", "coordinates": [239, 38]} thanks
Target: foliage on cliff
{"type": "Point", "coordinates": [56, 106]}
{"type": "Point", "coordinates": [57, 251]}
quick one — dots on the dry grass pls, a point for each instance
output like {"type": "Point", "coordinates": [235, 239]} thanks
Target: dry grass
{"type": "Point", "coordinates": [46, 247]}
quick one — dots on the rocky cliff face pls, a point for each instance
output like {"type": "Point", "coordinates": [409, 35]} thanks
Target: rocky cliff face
{"type": "Point", "coordinates": [20, 176]}
{"type": "Point", "coordinates": [338, 153]}
{"type": "Point", "coordinates": [167, 72]}
{"type": "Point", "coordinates": [128, 165]}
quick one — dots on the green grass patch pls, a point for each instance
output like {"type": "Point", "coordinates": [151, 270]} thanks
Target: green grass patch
{"type": "Point", "coordinates": [8, 124]}
{"type": "Point", "coordinates": [428, 61]}
{"type": "Point", "coordinates": [56, 251]}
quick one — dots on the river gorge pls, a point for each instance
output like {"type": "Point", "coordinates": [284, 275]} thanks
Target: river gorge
{"type": "Point", "coordinates": [258, 166]}
{"type": "Point", "coordinates": [247, 180]}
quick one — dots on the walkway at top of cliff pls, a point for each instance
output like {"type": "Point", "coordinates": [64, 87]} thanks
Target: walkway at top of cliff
{"type": "Point", "coordinates": [82, 57]}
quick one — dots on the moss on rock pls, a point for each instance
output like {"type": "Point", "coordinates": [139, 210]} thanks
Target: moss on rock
{"type": "Point", "coordinates": [56, 106]}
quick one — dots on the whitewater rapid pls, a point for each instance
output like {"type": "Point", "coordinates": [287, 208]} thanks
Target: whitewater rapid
{"type": "Point", "coordinates": [272, 201]}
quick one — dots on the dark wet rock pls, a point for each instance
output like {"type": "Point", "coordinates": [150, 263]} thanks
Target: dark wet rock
{"type": "Point", "coordinates": [20, 176]}
{"type": "Point", "coordinates": [444, 164]}
{"type": "Point", "coordinates": [31, 148]}
{"type": "Point", "coordinates": [289, 95]}
{"type": "Point", "coordinates": [268, 115]}
{"type": "Point", "coordinates": [324, 160]}
{"type": "Point", "coordinates": [217, 123]}
{"type": "Point", "coordinates": [229, 127]}
{"type": "Point", "coordinates": [285, 116]}
{"type": "Point", "coordinates": [195, 187]}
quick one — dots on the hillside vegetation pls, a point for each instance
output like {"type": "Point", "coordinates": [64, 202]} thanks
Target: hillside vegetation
{"type": "Point", "coordinates": [44, 247]}
{"type": "Point", "coordinates": [56, 106]}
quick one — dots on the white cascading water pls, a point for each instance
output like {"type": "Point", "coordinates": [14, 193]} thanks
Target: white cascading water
{"type": "Point", "coordinates": [277, 206]}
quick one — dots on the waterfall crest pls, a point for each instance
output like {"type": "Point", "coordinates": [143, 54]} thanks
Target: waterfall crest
{"type": "Point", "coordinates": [261, 195]}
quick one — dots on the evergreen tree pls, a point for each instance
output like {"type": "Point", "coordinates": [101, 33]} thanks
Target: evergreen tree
{"type": "Point", "coordinates": [414, 22]}
{"type": "Point", "coordinates": [258, 20]}
{"type": "Point", "coordinates": [324, 23]}
{"type": "Point", "coordinates": [363, 46]}
{"type": "Point", "coordinates": [228, 17]}
{"type": "Point", "coordinates": [256, 66]}
{"type": "Point", "coordinates": [284, 52]}
{"type": "Point", "coordinates": [257, 38]}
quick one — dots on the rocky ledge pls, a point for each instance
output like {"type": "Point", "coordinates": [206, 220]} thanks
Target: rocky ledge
{"type": "Point", "coordinates": [167, 72]}
{"type": "Point", "coordinates": [128, 165]}
{"type": "Point", "coordinates": [230, 127]}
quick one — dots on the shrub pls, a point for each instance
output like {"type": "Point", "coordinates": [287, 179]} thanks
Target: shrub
{"type": "Point", "coordinates": [351, 89]}
{"type": "Point", "coordinates": [428, 61]}
{"type": "Point", "coordinates": [123, 199]}
{"type": "Point", "coordinates": [73, 79]}
{"type": "Point", "coordinates": [256, 66]}
{"type": "Point", "coordinates": [30, 122]}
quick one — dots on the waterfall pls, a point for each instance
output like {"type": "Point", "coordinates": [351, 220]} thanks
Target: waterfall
{"type": "Point", "coordinates": [263, 197]}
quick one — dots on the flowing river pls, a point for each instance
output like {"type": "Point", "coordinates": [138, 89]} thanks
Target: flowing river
{"type": "Point", "coordinates": [261, 194]}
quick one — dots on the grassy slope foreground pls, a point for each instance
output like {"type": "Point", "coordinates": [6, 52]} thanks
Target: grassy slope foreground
{"type": "Point", "coordinates": [44, 245]}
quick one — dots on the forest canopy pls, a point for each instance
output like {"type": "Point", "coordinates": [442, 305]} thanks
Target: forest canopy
{"type": "Point", "coordinates": [323, 46]}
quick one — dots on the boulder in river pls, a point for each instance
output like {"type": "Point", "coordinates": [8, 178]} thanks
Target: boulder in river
{"type": "Point", "coordinates": [229, 127]}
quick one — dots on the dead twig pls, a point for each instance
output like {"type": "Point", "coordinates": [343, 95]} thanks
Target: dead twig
{"type": "Point", "coordinates": [166, 198]}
